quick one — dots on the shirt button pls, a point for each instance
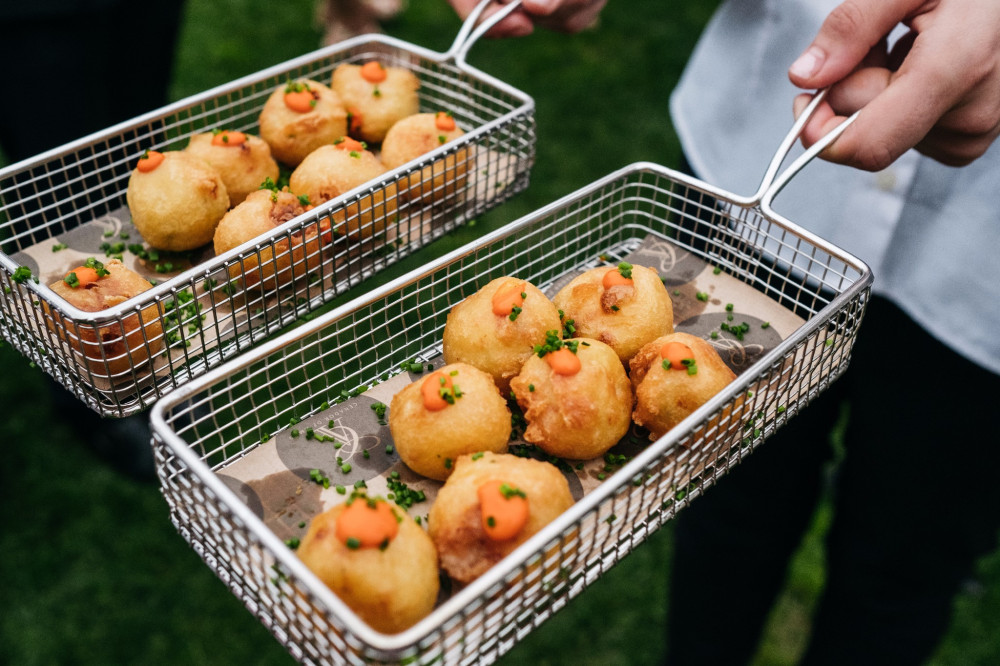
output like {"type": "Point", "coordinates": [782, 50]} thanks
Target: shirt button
{"type": "Point", "coordinates": [885, 180]}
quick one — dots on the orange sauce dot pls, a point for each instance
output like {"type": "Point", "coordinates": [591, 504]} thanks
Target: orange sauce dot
{"type": "Point", "coordinates": [149, 161]}
{"type": "Point", "coordinates": [355, 118]}
{"type": "Point", "coordinates": [676, 353]}
{"type": "Point", "coordinates": [430, 389]}
{"type": "Point", "coordinates": [508, 297]}
{"type": "Point", "coordinates": [373, 72]}
{"type": "Point", "coordinates": [563, 362]}
{"type": "Point", "coordinates": [228, 138]}
{"type": "Point", "coordinates": [613, 278]}
{"type": "Point", "coordinates": [84, 276]}
{"type": "Point", "coordinates": [444, 122]}
{"type": "Point", "coordinates": [347, 143]}
{"type": "Point", "coordinates": [503, 515]}
{"type": "Point", "coordinates": [300, 101]}
{"type": "Point", "coordinates": [370, 525]}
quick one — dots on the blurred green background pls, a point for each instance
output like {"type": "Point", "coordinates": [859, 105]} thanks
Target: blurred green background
{"type": "Point", "coordinates": [93, 572]}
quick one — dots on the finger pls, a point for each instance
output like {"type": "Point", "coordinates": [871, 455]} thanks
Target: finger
{"type": "Point", "coordinates": [515, 25]}
{"type": "Point", "coordinates": [562, 15]}
{"type": "Point", "coordinates": [571, 15]}
{"type": "Point", "coordinates": [800, 103]}
{"type": "Point", "coordinates": [877, 56]}
{"type": "Point", "coordinates": [898, 112]}
{"type": "Point", "coordinates": [823, 121]}
{"type": "Point", "coordinates": [542, 7]}
{"type": "Point", "coordinates": [858, 89]}
{"type": "Point", "coordinates": [965, 133]}
{"type": "Point", "coordinates": [518, 24]}
{"type": "Point", "coordinates": [940, 96]}
{"type": "Point", "coordinates": [900, 50]}
{"type": "Point", "coordinates": [976, 115]}
{"type": "Point", "coordinates": [463, 7]}
{"type": "Point", "coordinates": [927, 90]}
{"type": "Point", "coordinates": [845, 39]}
{"type": "Point", "coordinates": [957, 148]}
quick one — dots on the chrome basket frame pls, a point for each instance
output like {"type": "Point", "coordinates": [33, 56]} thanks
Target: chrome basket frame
{"type": "Point", "coordinates": [198, 431]}
{"type": "Point", "coordinates": [83, 181]}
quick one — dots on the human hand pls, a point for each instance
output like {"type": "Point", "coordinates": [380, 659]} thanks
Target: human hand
{"type": "Point", "coordinates": [559, 15]}
{"type": "Point", "coordinates": [937, 89]}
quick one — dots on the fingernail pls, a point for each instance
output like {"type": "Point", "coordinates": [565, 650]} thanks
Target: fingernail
{"type": "Point", "coordinates": [808, 63]}
{"type": "Point", "coordinates": [545, 6]}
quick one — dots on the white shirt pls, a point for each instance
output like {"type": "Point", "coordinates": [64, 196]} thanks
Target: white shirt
{"type": "Point", "coordinates": [930, 233]}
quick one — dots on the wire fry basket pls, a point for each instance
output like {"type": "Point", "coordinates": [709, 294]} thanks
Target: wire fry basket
{"type": "Point", "coordinates": [204, 309]}
{"type": "Point", "coordinates": [204, 429]}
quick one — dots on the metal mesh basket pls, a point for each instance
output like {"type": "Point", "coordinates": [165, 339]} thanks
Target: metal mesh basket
{"type": "Point", "coordinates": [201, 315]}
{"type": "Point", "coordinates": [206, 426]}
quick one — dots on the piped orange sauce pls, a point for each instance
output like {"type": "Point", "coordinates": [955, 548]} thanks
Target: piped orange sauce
{"type": "Point", "coordinates": [367, 523]}
{"type": "Point", "coordinates": [373, 72]}
{"type": "Point", "coordinates": [149, 161]}
{"type": "Point", "coordinates": [563, 362]}
{"type": "Point", "coordinates": [228, 138]}
{"type": "Point", "coordinates": [504, 510]}
{"type": "Point", "coordinates": [614, 278]}
{"type": "Point", "coordinates": [299, 98]}
{"type": "Point", "coordinates": [444, 122]}
{"type": "Point", "coordinates": [355, 119]}
{"type": "Point", "coordinates": [347, 143]}
{"type": "Point", "coordinates": [84, 276]}
{"type": "Point", "coordinates": [676, 353]}
{"type": "Point", "coordinates": [436, 390]}
{"type": "Point", "coordinates": [508, 297]}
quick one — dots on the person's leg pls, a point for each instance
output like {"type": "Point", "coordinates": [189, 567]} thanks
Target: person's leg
{"type": "Point", "coordinates": [82, 70]}
{"type": "Point", "coordinates": [917, 496]}
{"type": "Point", "coordinates": [732, 545]}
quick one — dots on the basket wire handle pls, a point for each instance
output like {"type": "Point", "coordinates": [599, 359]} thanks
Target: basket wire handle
{"type": "Point", "coordinates": [773, 182]}
{"type": "Point", "coordinates": [470, 33]}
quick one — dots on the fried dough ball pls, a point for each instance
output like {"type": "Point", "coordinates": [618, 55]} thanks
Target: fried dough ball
{"type": "Point", "coordinates": [484, 331]}
{"type": "Point", "coordinates": [376, 97]}
{"type": "Point", "coordinates": [243, 160]}
{"type": "Point", "coordinates": [299, 117]}
{"type": "Point", "coordinates": [176, 199]}
{"type": "Point", "coordinates": [452, 411]}
{"type": "Point", "coordinates": [417, 135]}
{"type": "Point", "coordinates": [624, 313]}
{"type": "Point", "coordinates": [260, 213]}
{"type": "Point", "coordinates": [376, 559]}
{"type": "Point", "coordinates": [468, 542]}
{"type": "Point", "coordinates": [330, 171]}
{"type": "Point", "coordinates": [574, 414]}
{"type": "Point", "coordinates": [124, 345]}
{"type": "Point", "coordinates": [665, 396]}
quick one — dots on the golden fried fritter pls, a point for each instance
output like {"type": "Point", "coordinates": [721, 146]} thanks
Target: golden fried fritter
{"type": "Point", "coordinates": [486, 331]}
{"type": "Point", "coordinates": [625, 314]}
{"type": "Point", "coordinates": [452, 411]}
{"type": "Point", "coordinates": [459, 526]}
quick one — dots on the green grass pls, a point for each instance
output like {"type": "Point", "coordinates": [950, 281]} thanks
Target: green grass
{"type": "Point", "coordinates": [93, 571]}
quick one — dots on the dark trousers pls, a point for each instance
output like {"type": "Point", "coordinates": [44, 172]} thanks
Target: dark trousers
{"type": "Point", "coordinates": [916, 503]}
{"type": "Point", "coordinates": [74, 68]}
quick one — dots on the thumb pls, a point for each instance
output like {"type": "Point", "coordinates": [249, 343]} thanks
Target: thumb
{"type": "Point", "coordinates": [847, 35]}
